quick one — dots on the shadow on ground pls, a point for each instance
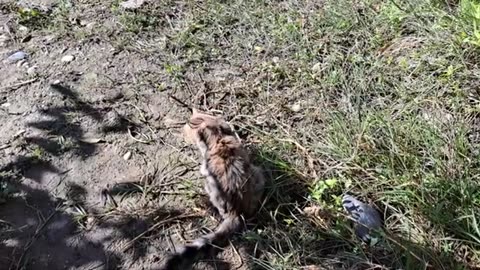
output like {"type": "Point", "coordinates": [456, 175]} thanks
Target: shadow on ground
{"type": "Point", "coordinates": [39, 230]}
{"type": "Point", "coordinates": [65, 134]}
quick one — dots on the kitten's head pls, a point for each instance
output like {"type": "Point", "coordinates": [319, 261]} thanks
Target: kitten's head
{"type": "Point", "coordinates": [206, 128]}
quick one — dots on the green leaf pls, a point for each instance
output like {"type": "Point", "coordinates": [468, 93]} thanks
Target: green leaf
{"type": "Point", "coordinates": [331, 182]}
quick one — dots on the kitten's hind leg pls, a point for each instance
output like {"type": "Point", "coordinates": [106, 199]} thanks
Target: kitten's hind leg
{"type": "Point", "coordinates": [216, 196]}
{"type": "Point", "coordinates": [204, 169]}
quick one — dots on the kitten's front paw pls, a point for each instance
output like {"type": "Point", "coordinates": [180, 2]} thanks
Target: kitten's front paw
{"type": "Point", "coordinates": [204, 170]}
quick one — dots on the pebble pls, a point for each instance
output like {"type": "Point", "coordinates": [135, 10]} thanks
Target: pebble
{"type": "Point", "coordinates": [22, 28]}
{"type": "Point", "coordinates": [68, 58]}
{"type": "Point", "coordinates": [127, 155]}
{"type": "Point", "coordinates": [132, 4]}
{"type": "Point", "coordinates": [17, 57]}
{"type": "Point", "coordinates": [32, 70]}
{"type": "Point", "coordinates": [296, 108]}
{"type": "Point", "coordinates": [56, 82]}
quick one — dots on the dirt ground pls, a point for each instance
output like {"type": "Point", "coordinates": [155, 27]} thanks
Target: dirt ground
{"type": "Point", "coordinates": [73, 129]}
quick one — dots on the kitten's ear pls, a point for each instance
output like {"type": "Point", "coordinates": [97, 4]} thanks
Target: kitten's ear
{"type": "Point", "coordinates": [204, 134]}
{"type": "Point", "coordinates": [195, 122]}
{"type": "Point", "coordinates": [226, 129]}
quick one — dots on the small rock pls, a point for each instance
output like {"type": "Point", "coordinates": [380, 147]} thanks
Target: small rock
{"type": "Point", "coordinates": [68, 58]}
{"type": "Point", "coordinates": [258, 49]}
{"type": "Point", "coordinates": [132, 4]}
{"type": "Point", "coordinates": [296, 107]}
{"type": "Point", "coordinates": [127, 155]}
{"type": "Point", "coordinates": [17, 57]}
{"type": "Point", "coordinates": [56, 82]}
{"type": "Point", "coordinates": [32, 70]}
{"type": "Point", "coordinates": [4, 40]}
{"type": "Point", "coordinates": [22, 28]}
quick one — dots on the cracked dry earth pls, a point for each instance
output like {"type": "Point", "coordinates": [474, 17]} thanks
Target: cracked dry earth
{"type": "Point", "coordinates": [72, 127]}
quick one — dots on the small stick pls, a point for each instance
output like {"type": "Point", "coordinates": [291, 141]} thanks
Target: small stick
{"type": "Point", "coordinates": [9, 88]}
{"type": "Point", "coordinates": [183, 104]}
{"type": "Point", "coordinates": [5, 146]}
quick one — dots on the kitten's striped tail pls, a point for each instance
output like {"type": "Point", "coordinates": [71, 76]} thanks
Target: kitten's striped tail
{"type": "Point", "coordinates": [204, 246]}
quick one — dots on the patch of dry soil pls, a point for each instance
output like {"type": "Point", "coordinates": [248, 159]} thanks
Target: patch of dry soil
{"type": "Point", "coordinates": [66, 128]}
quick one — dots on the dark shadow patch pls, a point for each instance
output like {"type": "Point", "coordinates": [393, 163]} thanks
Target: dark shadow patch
{"type": "Point", "coordinates": [65, 134]}
{"type": "Point", "coordinates": [76, 194]}
{"type": "Point", "coordinates": [81, 106]}
{"type": "Point", "coordinates": [43, 236]}
{"type": "Point", "coordinates": [31, 167]}
{"type": "Point", "coordinates": [138, 229]}
{"type": "Point", "coordinates": [48, 145]}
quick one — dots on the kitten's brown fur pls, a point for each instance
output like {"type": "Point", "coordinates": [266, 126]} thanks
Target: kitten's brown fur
{"type": "Point", "coordinates": [234, 185]}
